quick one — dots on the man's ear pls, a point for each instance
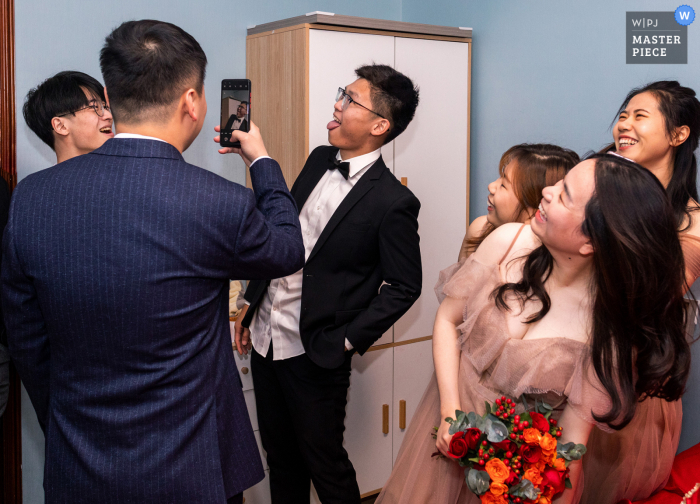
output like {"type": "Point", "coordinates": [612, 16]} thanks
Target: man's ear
{"type": "Point", "coordinates": [680, 135]}
{"type": "Point", "coordinates": [380, 127]}
{"type": "Point", "coordinates": [106, 97]}
{"type": "Point", "coordinates": [60, 126]}
{"type": "Point", "coordinates": [188, 103]}
{"type": "Point", "coordinates": [586, 249]}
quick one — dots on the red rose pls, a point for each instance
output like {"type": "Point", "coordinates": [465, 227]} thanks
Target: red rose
{"type": "Point", "coordinates": [472, 437]}
{"type": "Point", "coordinates": [539, 422]}
{"type": "Point", "coordinates": [555, 479]}
{"type": "Point", "coordinates": [530, 453]}
{"type": "Point", "coordinates": [506, 445]}
{"type": "Point", "coordinates": [458, 446]}
{"type": "Point", "coordinates": [512, 479]}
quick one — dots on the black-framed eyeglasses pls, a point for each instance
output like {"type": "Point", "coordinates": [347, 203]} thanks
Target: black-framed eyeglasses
{"type": "Point", "coordinates": [347, 100]}
{"type": "Point", "coordinates": [98, 106]}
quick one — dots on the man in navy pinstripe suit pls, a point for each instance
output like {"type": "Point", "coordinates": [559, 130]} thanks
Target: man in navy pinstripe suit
{"type": "Point", "coordinates": [115, 284]}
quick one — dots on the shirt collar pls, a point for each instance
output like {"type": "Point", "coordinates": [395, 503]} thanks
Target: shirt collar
{"type": "Point", "coordinates": [360, 162]}
{"type": "Point", "coordinates": [136, 135]}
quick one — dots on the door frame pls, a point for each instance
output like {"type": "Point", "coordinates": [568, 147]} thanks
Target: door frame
{"type": "Point", "coordinates": [11, 439]}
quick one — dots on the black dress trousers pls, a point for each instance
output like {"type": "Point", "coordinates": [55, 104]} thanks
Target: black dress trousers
{"type": "Point", "coordinates": [301, 413]}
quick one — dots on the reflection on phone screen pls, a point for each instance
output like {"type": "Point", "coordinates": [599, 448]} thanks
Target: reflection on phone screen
{"type": "Point", "coordinates": [235, 111]}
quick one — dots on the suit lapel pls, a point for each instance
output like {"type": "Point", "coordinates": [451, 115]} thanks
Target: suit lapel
{"type": "Point", "coordinates": [301, 190]}
{"type": "Point", "coordinates": [363, 186]}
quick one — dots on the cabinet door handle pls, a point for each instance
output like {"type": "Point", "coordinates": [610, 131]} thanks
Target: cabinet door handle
{"type": "Point", "coordinates": [244, 370]}
{"type": "Point", "coordinates": [385, 418]}
{"type": "Point", "coordinates": [402, 414]}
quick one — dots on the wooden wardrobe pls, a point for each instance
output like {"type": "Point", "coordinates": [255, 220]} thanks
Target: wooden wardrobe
{"type": "Point", "coordinates": [296, 66]}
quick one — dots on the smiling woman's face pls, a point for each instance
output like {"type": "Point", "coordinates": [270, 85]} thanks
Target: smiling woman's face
{"type": "Point", "coordinates": [503, 204]}
{"type": "Point", "coordinates": [562, 210]}
{"type": "Point", "coordinates": [640, 133]}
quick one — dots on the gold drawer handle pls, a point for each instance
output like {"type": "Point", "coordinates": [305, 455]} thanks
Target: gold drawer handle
{"type": "Point", "coordinates": [402, 414]}
{"type": "Point", "coordinates": [244, 370]}
{"type": "Point", "coordinates": [385, 418]}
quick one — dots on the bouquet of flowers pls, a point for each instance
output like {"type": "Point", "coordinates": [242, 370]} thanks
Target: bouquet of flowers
{"type": "Point", "coordinates": [511, 458]}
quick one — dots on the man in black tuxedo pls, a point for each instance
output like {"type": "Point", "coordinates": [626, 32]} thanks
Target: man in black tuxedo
{"type": "Point", "coordinates": [115, 279]}
{"type": "Point", "coordinates": [238, 121]}
{"type": "Point", "coordinates": [362, 273]}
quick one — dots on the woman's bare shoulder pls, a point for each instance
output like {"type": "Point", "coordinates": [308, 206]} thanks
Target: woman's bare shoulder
{"type": "Point", "coordinates": [477, 227]}
{"type": "Point", "coordinates": [496, 245]}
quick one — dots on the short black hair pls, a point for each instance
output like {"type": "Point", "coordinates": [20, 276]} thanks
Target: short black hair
{"type": "Point", "coordinates": [393, 95]}
{"type": "Point", "coordinates": [61, 94]}
{"type": "Point", "coordinates": [147, 65]}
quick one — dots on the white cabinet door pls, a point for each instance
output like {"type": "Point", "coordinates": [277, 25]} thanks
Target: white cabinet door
{"type": "Point", "coordinates": [413, 368]}
{"type": "Point", "coordinates": [368, 447]}
{"type": "Point", "coordinates": [333, 58]}
{"type": "Point", "coordinates": [432, 154]}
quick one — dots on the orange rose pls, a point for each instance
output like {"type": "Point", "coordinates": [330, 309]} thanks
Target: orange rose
{"type": "Point", "coordinates": [532, 436]}
{"type": "Point", "coordinates": [544, 500]}
{"type": "Point", "coordinates": [533, 475]}
{"type": "Point", "coordinates": [539, 465]}
{"type": "Point", "coordinates": [489, 498]}
{"type": "Point", "coordinates": [559, 464]}
{"type": "Point", "coordinates": [498, 489]}
{"type": "Point", "coordinates": [497, 470]}
{"type": "Point", "coordinates": [548, 444]}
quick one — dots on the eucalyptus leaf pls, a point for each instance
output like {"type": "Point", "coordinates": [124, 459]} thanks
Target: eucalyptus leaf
{"type": "Point", "coordinates": [475, 421]}
{"type": "Point", "coordinates": [567, 483]}
{"type": "Point", "coordinates": [488, 407]}
{"type": "Point", "coordinates": [546, 407]}
{"type": "Point", "coordinates": [571, 451]}
{"type": "Point", "coordinates": [478, 481]}
{"type": "Point", "coordinates": [497, 431]}
{"type": "Point", "coordinates": [524, 489]}
{"type": "Point", "coordinates": [525, 405]}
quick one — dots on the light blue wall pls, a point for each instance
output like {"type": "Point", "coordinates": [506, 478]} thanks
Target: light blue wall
{"type": "Point", "coordinates": [53, 36]}
{"type": "Point", "coordinates": [543, 71]}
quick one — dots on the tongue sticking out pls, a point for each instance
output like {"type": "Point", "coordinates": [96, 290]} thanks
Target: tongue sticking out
{"type": "Point", "coordinates": [332, 125]}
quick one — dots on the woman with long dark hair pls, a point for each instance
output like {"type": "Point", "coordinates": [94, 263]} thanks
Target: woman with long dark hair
{"type": "Point", "coordinates": [524, 170]}
{"type": "Point", "coordinates": [583, 311]}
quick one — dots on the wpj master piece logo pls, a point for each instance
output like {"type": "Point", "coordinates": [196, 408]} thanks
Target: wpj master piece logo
{"type": "Point", "coordinates": [659, 37]}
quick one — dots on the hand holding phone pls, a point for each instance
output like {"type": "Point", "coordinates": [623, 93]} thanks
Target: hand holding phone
{"type": "Point", "coordinates": [251, 144]}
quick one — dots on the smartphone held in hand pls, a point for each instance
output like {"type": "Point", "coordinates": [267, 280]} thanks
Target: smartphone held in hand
{"type": "Point", "coordinates": [235, 109]}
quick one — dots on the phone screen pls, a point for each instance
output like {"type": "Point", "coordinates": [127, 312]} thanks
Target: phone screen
{"type": "Point", "coordinates": [235, 109]}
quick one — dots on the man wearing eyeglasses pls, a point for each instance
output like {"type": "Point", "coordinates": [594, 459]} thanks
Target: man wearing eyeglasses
{"type": "Point", "coordinates": [362, 273]}
{"type": "Point", "coordinates": [69, 113]}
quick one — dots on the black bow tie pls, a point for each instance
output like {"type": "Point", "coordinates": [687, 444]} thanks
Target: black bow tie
{"type": "Point", "coordinates": [342, 166]}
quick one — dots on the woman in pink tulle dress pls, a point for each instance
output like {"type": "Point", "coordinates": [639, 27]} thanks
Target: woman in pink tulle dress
{"type": "Point", "coordinates": [584, 311]}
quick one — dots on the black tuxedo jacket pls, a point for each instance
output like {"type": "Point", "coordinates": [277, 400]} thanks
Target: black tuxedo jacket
{"type": "Point", "coordinates": [242, 127]}
{"type": "Point", "coordinates": [371, 238]}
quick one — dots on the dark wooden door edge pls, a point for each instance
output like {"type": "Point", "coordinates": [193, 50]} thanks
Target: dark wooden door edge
{"type": "Point", "coordinates": [12, 419]}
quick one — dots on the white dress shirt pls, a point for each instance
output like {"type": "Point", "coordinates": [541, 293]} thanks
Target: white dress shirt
{"type": "Point", "coordinates": [277, 318]}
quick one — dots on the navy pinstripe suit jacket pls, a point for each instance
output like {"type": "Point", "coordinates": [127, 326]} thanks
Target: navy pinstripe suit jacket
{"type": "Point", "coordinates": [115, 288]}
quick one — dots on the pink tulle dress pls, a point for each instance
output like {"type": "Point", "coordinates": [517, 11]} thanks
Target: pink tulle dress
{"type": "Point", "coordinates": [555, 370]}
